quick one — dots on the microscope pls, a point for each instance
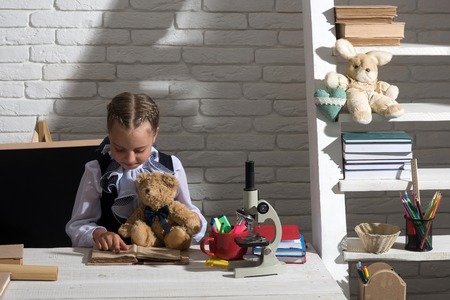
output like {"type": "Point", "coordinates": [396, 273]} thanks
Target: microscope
{"type": "Point", "coordinates": [254, 212]}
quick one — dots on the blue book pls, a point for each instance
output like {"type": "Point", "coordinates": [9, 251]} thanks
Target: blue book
{"type": "Point", "coordinates": [288, 248]}
{"type": "Point", "coordinates": [376, 137]}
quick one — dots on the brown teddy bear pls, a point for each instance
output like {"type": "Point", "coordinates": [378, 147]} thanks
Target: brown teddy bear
{"type": "Point", "coordinates": [365, 94]}
{"type": "Point", "coordinates": [160, 220]}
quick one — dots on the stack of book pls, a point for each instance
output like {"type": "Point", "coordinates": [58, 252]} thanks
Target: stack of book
{"type": "Point", "coordinates": [377, 155]}
{"type": "Point", "coordinates": [292, 248]}
{"type": "Point", "coordinates": [369, 25]}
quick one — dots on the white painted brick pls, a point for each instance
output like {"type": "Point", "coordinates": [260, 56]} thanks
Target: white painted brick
{"type": "Point", "coordinates": [52, 19]}
{"type": "Point", "coordinates": [279, 158]}
{"type": "Point", "coordinates": [291, 108]}
{"type": "Point", "coordinates": [190, 90]}
{"type": "Point", "coordinates": [226, 73]}
{"type": "Point", "coordinates": [439, 21]}
{"type": "Point", "coordinates": [430, 73]}
{"type": "Point", "coordinates": [178, 108]}
{"type": "Point", "coordinates": [293, 141]}
{"type": "Point", "coordinates": [205, 55]}
{"type": "Point", "coordinates": [20, 71]}
{"type": "Point", "coordinates": [79, 71]}
{"type": "Point", "coordinates": [240, 142]}
{"type": "Point", "coordinates": [291, 38]}
{"type": "Point", "coordinates": [167, 37]}
{"type": "Point", "coordinates": [216, 159]}
{"type": "Point", "coordinates": [164, 5]}
{"type": "Point", "coordinates": [143, 54]}
{"type": "Point", "coordinates": [17, 123]}
{"type": "Point", "coordinates": [217, 124]}
{"type": "Point", "coordinates": [275, 20]}
{"type": "Point", "coordinates": [289, 174]}
{"type": "Point", "coordinates": [433, 6]}
{"type": "Point", "coordinates": [92, 36]}
{"type": "Point", "coordinates": [81, 108]}
{"type": "Point", "coordinates": [16, 137]}
{"type": "Point", "coordinates": [26, 36]}
{"type": "Point", "coordinates": [237, 175]}
{"type": "Point", "coordinates": [11, 89]}
{"type": "Point", "coordinates": [153, 72]}
{"type": "Point", "coordinates": [277, 124]}
{"type": "Point", "coordinates": [434, 37]}
{"type": "Point", "coordinates": [138, 20]}
{"type": "Point", "coordinates": [283, 55]}
{"type": "Point", "coordinates": [67, 54]}
{"type": "Point", "coordinates": [12, 18]}
{"type": "Point", "coordinates": [221, 107]}
{"type": "Point", "coordinates": [87, 5]}
{"type": "Point", "coordinates": [243, 38]}
{"type": "Point", "coordinates": [179, 142]}
{"type": "Point", "coordinates": [273, 90]}
{"type": "Point", "coordinates": [194, 175]}
{"type": "Point", "coordinates": [200, 20]}
{"type": "Point", "coordinates": [60, 89]}
{"type": "Point", "coordinates": [23, 107]}
{"type": "Point", "coordinates": [11, 54]}
{"type": "Point", "coordinates": [238, 5]}
{"type": "Point", "coordinates": [26, 4]}
{"type": "Point", "coordinates": [284, 74]}
{"type": "Point", "coordinates": [154, 89]}
{"type": "Point", "coordinates": [72, 124]}
{"type": "Point", "coordinates": [170, 125]}
{"type": "Point", "coordinates": [288, 5]}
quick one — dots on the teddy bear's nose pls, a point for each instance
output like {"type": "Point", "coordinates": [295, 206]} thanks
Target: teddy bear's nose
{"type": "Point", "coordinates": [367, 70]}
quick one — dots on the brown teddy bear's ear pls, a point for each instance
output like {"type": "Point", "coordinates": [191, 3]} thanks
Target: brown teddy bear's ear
{"type": "Point", "coordinates": [140, 177]}
{"type": "Point", "coordinates": [169, 180]}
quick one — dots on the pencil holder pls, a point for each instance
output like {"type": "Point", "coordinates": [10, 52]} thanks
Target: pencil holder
{"type": "Point", "coordinates": [419, 234]}
{"type": "Point", "coordinates": [384, 283]}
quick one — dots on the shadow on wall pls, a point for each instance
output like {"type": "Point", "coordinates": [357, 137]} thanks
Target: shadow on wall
{"type": "Point", "coordinates": [119, 47]}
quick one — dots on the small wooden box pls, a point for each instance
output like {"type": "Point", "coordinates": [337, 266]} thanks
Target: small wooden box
{"type": "Point", "coordinates": [384, 283]}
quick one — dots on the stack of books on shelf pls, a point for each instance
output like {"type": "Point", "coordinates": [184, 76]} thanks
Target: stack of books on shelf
{"type": "Point", "coordinates": [377, 155]}
{"type": "Point", "coordinates": [292, 248]}
{"type": "Point", "coordinates": [369, 25]}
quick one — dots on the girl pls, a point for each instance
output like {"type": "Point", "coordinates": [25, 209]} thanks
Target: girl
{"type": "Point", "coordinates": [107, 195]}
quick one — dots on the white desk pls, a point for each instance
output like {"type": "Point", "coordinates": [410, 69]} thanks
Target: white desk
{"type": "Point", "coordinates": [194, 281]}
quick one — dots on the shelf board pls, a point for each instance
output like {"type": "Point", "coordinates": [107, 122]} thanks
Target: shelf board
{"type": "Point", "coordinates": [410, 49]}
{"type": "Point", "coordinates": [429, 179]}
{"type": "Point", "coordinates": [441, 251]}
{"type": "Point", "coordinates": [425, 112]}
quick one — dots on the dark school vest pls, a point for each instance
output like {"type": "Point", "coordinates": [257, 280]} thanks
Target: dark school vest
{"type": "Point", "coordinates": [107, 219]}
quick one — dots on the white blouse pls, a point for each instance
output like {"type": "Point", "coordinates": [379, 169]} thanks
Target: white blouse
{"type": "Point", "coordinates": [87, 208]}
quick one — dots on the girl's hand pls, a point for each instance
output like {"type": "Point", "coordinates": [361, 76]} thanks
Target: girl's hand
{"type": "Point", "coordinates": [108, 241]}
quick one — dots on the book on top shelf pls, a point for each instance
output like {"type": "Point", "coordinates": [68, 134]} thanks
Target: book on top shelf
{"type": "Point", "coordinates": [358, 11]}
{"type": "Point", "coordinates": [368, 19]}
{"type": "Point", "coordinates": [376, 136]}
{"type": "Point", "coordinates": [365, 30]}
{"type": "Point", "coordinates": [377, 156]}
{"type": "Point", "coordinates": [374, 41]}
{"type": "Point", "coordinates": [377, 166]}
{"type": "Point", "coordinates": [376, 147]}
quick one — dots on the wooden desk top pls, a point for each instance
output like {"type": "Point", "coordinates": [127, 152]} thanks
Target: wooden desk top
{"type": "Point", "coordinates": [76, 280]}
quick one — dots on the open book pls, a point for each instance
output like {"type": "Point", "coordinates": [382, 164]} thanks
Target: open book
{"type": "Point", "coordinates": [139, 255]}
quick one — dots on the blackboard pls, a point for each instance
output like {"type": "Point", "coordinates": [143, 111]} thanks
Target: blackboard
{"type": "Point", "coordinates": [39, 182]}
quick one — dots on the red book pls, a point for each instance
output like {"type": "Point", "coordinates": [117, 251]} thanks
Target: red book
{"type": "Point", "coordinates": [288, 232]}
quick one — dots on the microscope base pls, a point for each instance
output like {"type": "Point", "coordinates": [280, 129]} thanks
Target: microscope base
{"type": "Point", "coordinates": [265, 265]}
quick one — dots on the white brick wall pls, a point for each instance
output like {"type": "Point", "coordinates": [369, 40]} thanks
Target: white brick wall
{"type": "Point", "coordinates": [228, 76]}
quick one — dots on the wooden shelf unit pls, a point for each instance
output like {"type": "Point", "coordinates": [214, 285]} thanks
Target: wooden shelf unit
{"type": "Point", "coordinates": [327, 184]}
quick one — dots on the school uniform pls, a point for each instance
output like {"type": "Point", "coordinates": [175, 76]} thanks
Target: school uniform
{"type": "Point", "coordinates": [96, 184]}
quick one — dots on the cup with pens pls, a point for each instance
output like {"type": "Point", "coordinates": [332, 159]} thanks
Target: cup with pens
{"type": "Point", "coordinates": [419, 222]}
{"type": "Point", "coordinates": [220, 243]}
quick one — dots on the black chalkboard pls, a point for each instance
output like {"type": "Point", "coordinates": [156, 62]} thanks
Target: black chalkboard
{"type": "Point", "coordinates": [39, 182]}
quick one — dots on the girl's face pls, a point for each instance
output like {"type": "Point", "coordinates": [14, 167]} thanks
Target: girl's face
{"type": "Point", "coordinates": [132, 147]}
